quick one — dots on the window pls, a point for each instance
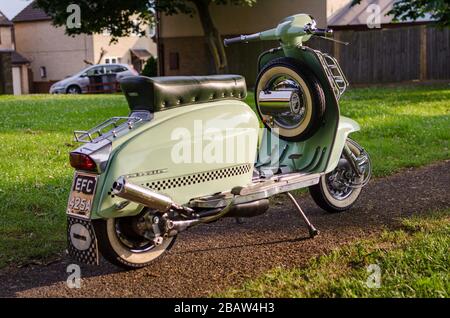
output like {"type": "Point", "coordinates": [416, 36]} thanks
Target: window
{"type": "Point", "coordinates": [99, 70]}
{"type": "Point", "coordinates": [174, 61]}
{"type": "Point", "coordinates": [114, 69]}
{"type": "Point", "coordinates": [112, 60]}
{"type": "Point", "coordinates": [43, 71]}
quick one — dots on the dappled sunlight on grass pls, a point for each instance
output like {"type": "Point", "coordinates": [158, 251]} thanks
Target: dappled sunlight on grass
{"type": "Point", "coordinates": [401, 127]}
{"type": "Point", "coordinates": [412, 262]}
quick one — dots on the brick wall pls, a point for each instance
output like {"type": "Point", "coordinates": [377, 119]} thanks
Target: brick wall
{"type": "Point", "coordinates": [6, 86]}
{"type": "Point", "coordinates": [193, 56]}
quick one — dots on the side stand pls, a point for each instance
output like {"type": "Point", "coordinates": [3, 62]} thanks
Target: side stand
{"type": "Point", "coordinates": [313, 232]}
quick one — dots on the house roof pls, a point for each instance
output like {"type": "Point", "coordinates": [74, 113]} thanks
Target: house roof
{"type": "Point", "coordinates": [142, 54]}
{"type": "Point", "coordinates": [16, 58]}
{"type": "Point", "coordinates": [31, 13]}
{"type": "Point", "coordinates": [360, 14]}
{"type": "Point", "coordinates": [4, 21]}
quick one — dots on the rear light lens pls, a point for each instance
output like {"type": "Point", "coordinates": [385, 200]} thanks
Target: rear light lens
{"type": "Point", "coordinates": [82, 162]}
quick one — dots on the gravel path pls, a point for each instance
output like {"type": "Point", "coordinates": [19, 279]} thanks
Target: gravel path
{"type": "Point", "coordinates": [209, 258]}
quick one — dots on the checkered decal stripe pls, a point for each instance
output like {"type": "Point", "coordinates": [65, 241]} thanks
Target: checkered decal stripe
{"type": "Point", "coordinates": [193, 179]}
{"type": "Point", "coordinates": [89, 256]}
{"type": "Point", "coordinates": [198, 178]}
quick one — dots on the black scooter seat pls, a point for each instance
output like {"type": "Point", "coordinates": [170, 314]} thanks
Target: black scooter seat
{"type": "Point", "coordinates": [161, 93]}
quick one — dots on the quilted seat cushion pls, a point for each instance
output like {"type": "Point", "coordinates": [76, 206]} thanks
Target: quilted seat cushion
{"type": "Point", "coordinates": [161, 93]}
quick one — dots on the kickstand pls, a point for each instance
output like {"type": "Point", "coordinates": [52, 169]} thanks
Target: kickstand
{"type": "Point", "coordinates": [313, 232]}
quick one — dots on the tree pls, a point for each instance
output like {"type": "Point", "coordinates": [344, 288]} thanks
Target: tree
{"type": "Point", "coordinates": [150, 68]}
{"type": "Point", "coordinates": [404, 10]}
{"type": "Point", "coordinates": [122, 18]}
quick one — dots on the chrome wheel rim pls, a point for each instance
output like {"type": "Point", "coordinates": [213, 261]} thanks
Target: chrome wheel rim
{"type": "Point", "coordinates": [129, 237]}
{"type": "Point", "coordinates": [283, 102]}
{"type": "Point", "coordinates": [339, 182]}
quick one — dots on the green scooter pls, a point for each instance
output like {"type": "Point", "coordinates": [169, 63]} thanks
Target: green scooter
{"type": "Point", "coordinates": [192, 152]}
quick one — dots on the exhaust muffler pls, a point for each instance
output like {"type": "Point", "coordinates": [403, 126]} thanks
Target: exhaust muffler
{"type": "Point", "coordinates": [134, 193]}
{"type": "Point", "coordinates": [151, 199]}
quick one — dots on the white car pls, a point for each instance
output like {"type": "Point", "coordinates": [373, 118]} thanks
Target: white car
{"type": "Point", "coordinates": [78, 83]}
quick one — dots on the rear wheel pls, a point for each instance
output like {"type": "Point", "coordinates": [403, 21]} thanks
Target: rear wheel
{"type": "Point", "coordinates": [121, 241]}
{"type": "Point", "coordinates": [338, 190]}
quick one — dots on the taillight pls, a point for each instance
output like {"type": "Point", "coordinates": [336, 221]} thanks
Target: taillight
{"type": "Point", "coordinates": [82, 162]}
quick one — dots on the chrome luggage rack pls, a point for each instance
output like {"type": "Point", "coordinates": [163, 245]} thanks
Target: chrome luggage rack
{"type": "Point", "coordinates": [110, 128]}
{"type": "Point", "coordinates": [334, 73]}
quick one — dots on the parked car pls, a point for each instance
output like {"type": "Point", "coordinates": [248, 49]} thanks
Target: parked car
{"type": "Point", "coordinates": [78, 83]}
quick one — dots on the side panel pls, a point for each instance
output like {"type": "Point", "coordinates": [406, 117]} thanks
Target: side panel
{"type": "Point", "coordinates": [185, 153]}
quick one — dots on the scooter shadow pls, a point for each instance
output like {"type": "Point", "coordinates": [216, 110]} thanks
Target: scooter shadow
{"type": "Point", "coordinates": [58, 273]}
{"type": "Point", "coordinates": [228, 247]}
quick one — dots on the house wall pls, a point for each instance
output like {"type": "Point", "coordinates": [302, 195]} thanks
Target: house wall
{"type": "Point", "coordinates": [230, 19]}
{"type": "Point", "coordinates": [47, 46]}
{"type": "Point", "coordinates": [121, 49]}
{"type": "Point", "coordinates": [181, 36]}
{"type": "Point", "coordinates": [334, 6]}
{"type": "Point", "coordinates": [25, 79]}
{"type": "Point", "coordinates": [17, 80]}
{"type": "Point", "coordinates": [6, 42]}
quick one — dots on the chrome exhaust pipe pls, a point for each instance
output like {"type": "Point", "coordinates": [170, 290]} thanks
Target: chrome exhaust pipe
{"type": "Point", "coordinates": [176, 227]}
{"type": "Point", "coordinates": [137, 194]}
{"type": "Point", "coordinates": [134, 193]}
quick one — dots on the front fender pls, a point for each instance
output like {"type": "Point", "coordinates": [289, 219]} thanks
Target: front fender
{"type": "Point", "coordinates": [345, 128]}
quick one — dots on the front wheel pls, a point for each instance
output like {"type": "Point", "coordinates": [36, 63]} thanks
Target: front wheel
{"type": "Point", "coordinates": [73, 89]}
{"type": "Point", "coordinates": [121, 241]}
{"type": "Point", "coordinates": [339, 190]}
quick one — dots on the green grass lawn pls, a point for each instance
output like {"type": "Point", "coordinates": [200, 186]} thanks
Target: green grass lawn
{"type": "Point", "coordinates": [401, 127]}
{"type": "Point", "coordinates": [412, 262]}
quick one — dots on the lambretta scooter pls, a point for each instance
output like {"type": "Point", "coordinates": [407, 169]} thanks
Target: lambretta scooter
{"type": "Point", "coordinates": [192, 152]}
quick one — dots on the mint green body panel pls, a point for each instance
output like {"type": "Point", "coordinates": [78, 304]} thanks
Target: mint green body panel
{"type": "Point", "coordinates": [288, 31]}
{"type": "Point", "coordinates": [146, 155]}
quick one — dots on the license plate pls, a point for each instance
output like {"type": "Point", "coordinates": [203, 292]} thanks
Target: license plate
{"type": "Point", "coordinates": [82, 195]}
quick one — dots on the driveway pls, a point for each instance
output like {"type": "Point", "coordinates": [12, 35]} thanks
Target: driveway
{"type": "Point", "coordinates": [208, 259]}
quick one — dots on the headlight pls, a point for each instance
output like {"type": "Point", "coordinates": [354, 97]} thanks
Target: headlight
{"type": "Point", "coordinates": [56, 87]}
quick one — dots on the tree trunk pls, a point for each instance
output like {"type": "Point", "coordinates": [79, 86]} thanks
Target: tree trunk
{"type": "Point", "coordinates": [212, 36]}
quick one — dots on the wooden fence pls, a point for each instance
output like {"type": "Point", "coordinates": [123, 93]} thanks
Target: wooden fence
{"type": "Point", "coordinates": [374, 56]}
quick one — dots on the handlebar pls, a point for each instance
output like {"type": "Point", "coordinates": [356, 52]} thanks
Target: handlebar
{"type": "Point", "coordinates": [291, 31]}
{"type": "Point", "coordinates": [323, 32]}
{"type": "Point", "coordinates": [242, 38]}
{"type": "Point", "coordinates": [310, 29]}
